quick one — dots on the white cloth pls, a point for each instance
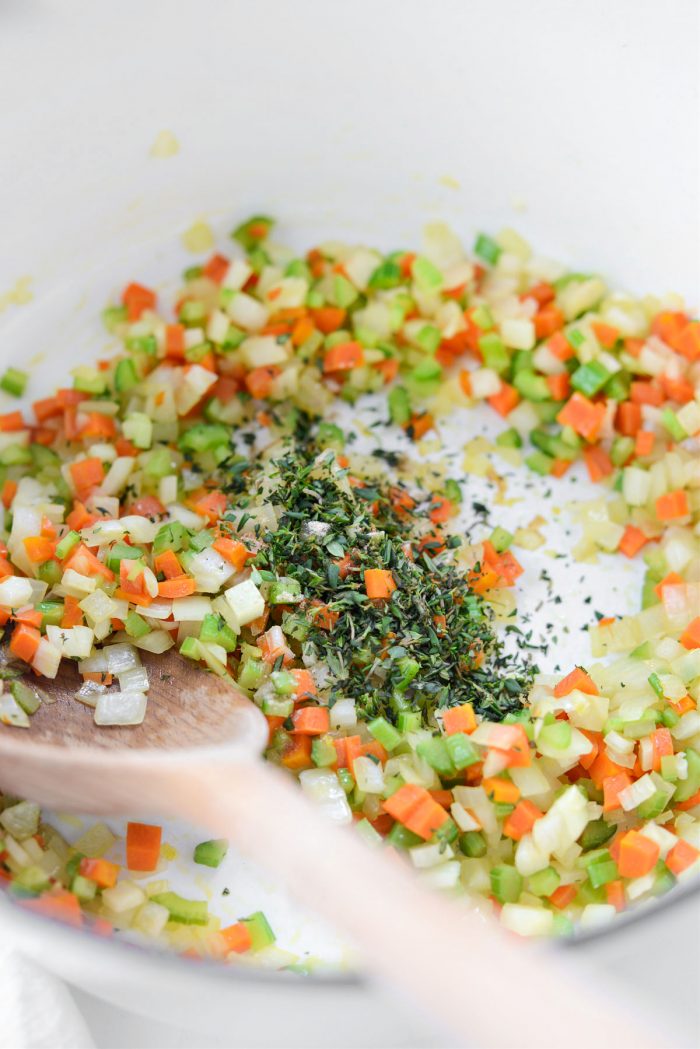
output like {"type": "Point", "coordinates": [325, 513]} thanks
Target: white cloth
{"type": "Point", "coordinates": [36, 1009]}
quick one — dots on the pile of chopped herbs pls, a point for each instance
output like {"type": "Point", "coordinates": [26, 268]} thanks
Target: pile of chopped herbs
{"type": "Point", "coordinates": [432, 645]}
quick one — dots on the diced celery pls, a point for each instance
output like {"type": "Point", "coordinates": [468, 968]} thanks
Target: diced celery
{"type": "Point", "coordinates": [473, 844]}
{"type": "Point", "coordinates": [487, 249]}
{"type": "Point", "coordinates": [136, 626]}
{"type": "Point", "coordinates": [500, 539]}
{"type": "Point", "coordinates": [323, 753]}
{"type": "Point", "coordinates": [543, 883]}
{"type": "Point", "coordinates": [260, 932]}
{"type": "Point", "coordinates": [435, 753]}
{"type": "Point", "coordinates": [14, 382]}
{"type": "Point", "coordinates": [509, 439]}
{"type": "Point", "coordinates": [211, 853]}
{"type": "Point", "coordinates": [385, 733]}
{"type": "Point", "coordinates": [181, 910]}
{"type": "Point", "coordinates": [506, 883]}
{"type": "Point", "coordinates": [461, 750]}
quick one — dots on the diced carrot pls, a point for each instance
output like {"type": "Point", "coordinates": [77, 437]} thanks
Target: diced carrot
{"type": "Point", "coordinates": [628, 419]}
{"type": "Point", "coordinates": [563, 895]}
{"type": "Point", "coordinates": [303, 329]}
{"type": "Point", "coordinates": [175, 341]}
{"type": "Point", "coordinates": [690, 638]}
{"type": "Point", "coordinates": [687, 341]}
{"type": "Point", "coordinates": [547, 321]}
{"type": "Point", "coordinates": [388, 368]}
{"type": "Point", "coordinates": [24, 642]}
{"type": "Point", "coordinates": [560, 346]}
{"type": "Point", "coordinates": [668, 324]}
{"type": "Point", "coordinates": [542, 293]}
{"type": "Point", "coordinates": [633, 539]}
{"type": "Point", "coordinates": [679, 390]}
{"type": "Point", "coordinates": [672, 505]}
{"type": "Point", "coordinates": [79, 517]}
{"type": "Point", "coordinates": [644, 445]}
{"type": "Point", "coordinates": [638, 855]}
{"type": "Point", "coordinates": [305, 684]}
{"type": "Point", "coordinates": [606, 334]}
{"type": "Point", "coordinates": [343, 357]}
{"type": "Point", "coordinates": [505, 400]}
{"type": "Point", "coordinates": [578, 679]}
{"type": "Point", "coordinates": [615, 894]}
{"type": "Point", "coordinates": [167, 564]}
{"type": "Point", "coordinates": [29, 617]}
{"type": "Point", "coordinates": [459, 719]}
{"type": "Point", "coordinates": [100, 677]}
{"type": "Point", "coordinates": [11, 422]}
{"type": "Point", "coordinates": [684, 704]}
{"type": "Point", "coordinates": [596, 738]}
{"type": "Point", "coordinates": [375, 749]}
{"type": "Point", "coordinates": [48, 408]}
{"type": "Point", "coordinates": [69, 398]}
{"type": "Point", "coordinates": [583, 416]}
{"type": "Point", "coordinates": [259, 381]}
{"type": "Point", "coordinates": [235, 552]}
{"type": "Point", "coordinates": [612, 786]}
{"type": "Point", "coordinates": [559, 467]}
{"type": "Point", "coordinates": [502, 791]}
{"type": "Point", "coordinates": [420, 424]}
{"type": "Point", "coordinates": [137, 299]}
{"type": "Point", "coordinates": [633, 346]}
{"type": "Point", "coordinates": [212, 506]}
{"type": "Point", "coordinates": [521, 820]}
{"type": "Point", "coordinates": [216, 268]}
{"type": "Point", "coordinates": [662, 744]}
{"type": "Point", "coordinates": [559, 386]}
{"type": "Point", "coordinates": [126, 448]}
{"type": "Point", "coordinates": [297, 753]}
{"type": "Point", "coordinates": [441, 509]}
{"type": "Point", "coordinates": [43, 435]}
{"type": "Point", "coordinates": [143, 842]}
{"type": "Point", "coordinates": [646, 393]}
{"type": "Point", "coordinates": [681, 856]}
{"type": "Point", "coordinates": [237, 938]}
{"type": "Point", "coordinates": [98, 427]}
{"type": "Point", "coordinates": [59, 904]}
{"type": "Point", "coordinates": [83, 561]}
{"type": "Point", "coordinates": [602, 768]}
{"type": "Point", "coordinates": [442, 797]}
{"type": "Point", "coordinates": [311, 721]}
{"type": "Point", "coordinates": [324, 617]}
{"type": "Point", "coordinates": [328, 318]}
{"type": "Point", "coordinates": [72, 613]}
{"type": "Point", "coordinates": [379, 583]}
{"type": "Point", "coordinates": [87, 473]}
{"type": "Point", "coordinates": [402, 802]}
{"type": "Point", "coordinates": [597, 463]}
{"type": "Point", "coordinates": [180, 586]}
{"type": "Point", "coordinates": [100, 870]}
{"type": "Point", "coordinates": [9, 491]}
{"type": "Point", "coordinates": [38, 549]}
{"type": "Point", "coordinates": [511, 741]}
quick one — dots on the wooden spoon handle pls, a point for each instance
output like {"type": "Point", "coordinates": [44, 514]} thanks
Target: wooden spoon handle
{"type": "Point", "coordinates": [488, 989]}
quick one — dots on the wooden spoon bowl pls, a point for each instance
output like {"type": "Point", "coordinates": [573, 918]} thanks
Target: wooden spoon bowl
{"type": "Point", "coordinates": [196, 756]}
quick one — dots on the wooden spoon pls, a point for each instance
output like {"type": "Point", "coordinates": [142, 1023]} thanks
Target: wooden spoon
{"type": "Point", "coordinates": [196, 756]}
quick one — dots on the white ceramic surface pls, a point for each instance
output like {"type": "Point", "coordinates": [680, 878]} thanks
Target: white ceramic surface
{"type": "Point", "coordinates": [573, 122]}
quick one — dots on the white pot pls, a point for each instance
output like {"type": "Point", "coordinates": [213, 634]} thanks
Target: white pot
{"type": "Point", "coordinates": [573, 122]}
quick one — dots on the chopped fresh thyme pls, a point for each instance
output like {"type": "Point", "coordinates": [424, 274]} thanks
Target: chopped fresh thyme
{"type": "Point", "coordinates": [433, 644]}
